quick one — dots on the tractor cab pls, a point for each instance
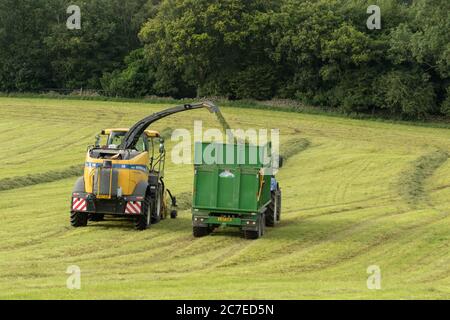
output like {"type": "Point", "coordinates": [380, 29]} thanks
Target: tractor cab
{"type": "Point", "coordinates": [112, 139]}
{"type": "Point", "coordinates": [150, 142]}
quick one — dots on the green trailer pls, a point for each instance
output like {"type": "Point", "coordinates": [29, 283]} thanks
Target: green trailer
{"type": "Point", "coordinates": [234, 186]}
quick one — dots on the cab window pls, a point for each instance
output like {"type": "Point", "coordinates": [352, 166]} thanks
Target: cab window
{"type": "Point", "coordinates": [115, 139]}
{"type": "Point", "coordinates": [142, 144]}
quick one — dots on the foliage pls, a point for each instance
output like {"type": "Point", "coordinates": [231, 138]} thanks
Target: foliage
{"type": "Point", "coordinates": [318, 52]}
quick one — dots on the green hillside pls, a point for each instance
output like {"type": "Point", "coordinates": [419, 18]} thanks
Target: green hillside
{"type": "Point", "coordinates": [355, 194]}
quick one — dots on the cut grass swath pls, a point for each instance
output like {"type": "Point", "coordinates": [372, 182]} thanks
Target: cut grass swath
{"type": "Point", "coordinates": [412, 180]}
{"type": "Point", "coordinates": [33, 179]}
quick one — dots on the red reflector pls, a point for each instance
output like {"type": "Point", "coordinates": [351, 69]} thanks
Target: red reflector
{"type": "Point", "coordinates": [133, 207]}
{"type": "Point", "coordinates": [79, 205]}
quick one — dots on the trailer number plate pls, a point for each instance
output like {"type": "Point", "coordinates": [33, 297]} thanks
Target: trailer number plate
{"type": "Point", "coordinates": [224, 219]}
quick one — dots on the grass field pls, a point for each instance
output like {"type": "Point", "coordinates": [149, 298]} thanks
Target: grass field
{"type": "Point", "coordinates": [355, 194]}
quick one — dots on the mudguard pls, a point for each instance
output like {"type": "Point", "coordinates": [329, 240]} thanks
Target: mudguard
{"type": "Point", "coordinates": [79, 185]}
{"type": "Point", "coordinates": [141, 189]}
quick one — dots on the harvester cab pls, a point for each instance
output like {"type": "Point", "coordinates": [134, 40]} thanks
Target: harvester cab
{"type": "Point", "coordinates": [124, 175]}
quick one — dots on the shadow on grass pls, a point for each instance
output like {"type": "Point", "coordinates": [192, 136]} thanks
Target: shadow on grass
{"type": "Point", "coordinates": [127, 224]}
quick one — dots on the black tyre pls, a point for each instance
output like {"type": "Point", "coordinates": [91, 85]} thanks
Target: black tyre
{"type": "Point", "coordinates": [278, 206]}
{"type": "Point", "coordinates": [156, 207]}
{"type": "Point", "coordinates": [273, 212]}
{"type": "Point", "coordinates": [253, 235]}
{"type": "Point", "coordinates": [173, 214]}
{"type": "Point", "coordinates": [143, 220]}
{"type": "Point", "coordinates": [199, 232]}
{"type": "Point", "coordinates": [262, 226]}
{"type": "Point", "coordinates": [78, 219]}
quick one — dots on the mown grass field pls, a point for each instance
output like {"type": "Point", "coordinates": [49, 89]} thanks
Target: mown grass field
{"type": "Point", "coordinates": [355, 194]}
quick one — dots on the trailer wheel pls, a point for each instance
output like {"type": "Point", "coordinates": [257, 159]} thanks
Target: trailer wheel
{"type": "Point", "coordinates": [142, 221]}
{"type": "Point", "coordinates": [253, 235]}
{"type": "Point", "coordinates": [272, 216]}
{"type": "Point", "coordinates": [262, 229]}
{"type": "Point", "coordinates": [199, 232]}
{"type": "Point", "coordinates": [78, 219]}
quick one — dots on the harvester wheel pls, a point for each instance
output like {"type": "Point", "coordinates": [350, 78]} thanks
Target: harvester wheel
{"type": "Point", "coordinates": [78, 219]}
{"type": "Point", "coordinates": [156, 208]}
{"type": "Point", "coordinates": [201, 231]}
{"type": "Point", "coordinates": [173, 214]}
{"type": "Point", "coordinates": [142, 221]}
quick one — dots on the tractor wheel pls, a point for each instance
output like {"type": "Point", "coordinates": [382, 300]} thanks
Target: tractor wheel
{"type": "Point", "coordinates": [200, 231]}
{"type": "Point", "coordinates": [96, 217]}
{"type": "Point", "coordinates": [273, 209]}
{"type": "Point", "coordinates": [78, 219]}
{"type": "Point", "coordinates": [173, 214]}
{"type": "Point", "coordinates": [278, 211]}
{"type": "Point", "coordinates": [142, 222]}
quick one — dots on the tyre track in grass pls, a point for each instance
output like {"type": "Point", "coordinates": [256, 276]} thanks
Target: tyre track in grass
{"type": "Point", "coordinates": [309, 240]}
{"type": "Point", "coordinates": [378, 197]}
{"type": "Point", "coordinates": [394, 236]}
{"type": "Point", "coordinates": [341, 235]}
{"type": "Point", "coordinates": [163, 247]}
{"type": "Point", "coordinates": [157, 247]}
{"type": "Point", "coordinates": [287, 246]}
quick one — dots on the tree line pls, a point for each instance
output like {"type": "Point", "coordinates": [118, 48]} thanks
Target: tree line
{"type": "Point", "coordinates": [319, 52]}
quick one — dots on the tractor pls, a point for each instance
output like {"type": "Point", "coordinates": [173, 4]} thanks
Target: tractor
{"type": "Point", "coordinates": [124, 175]}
